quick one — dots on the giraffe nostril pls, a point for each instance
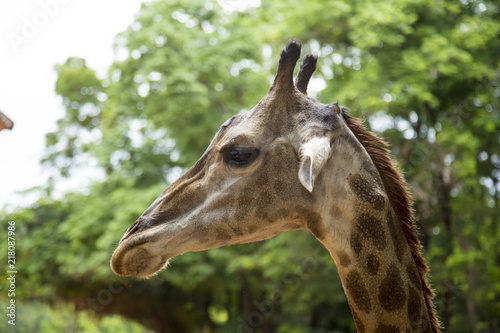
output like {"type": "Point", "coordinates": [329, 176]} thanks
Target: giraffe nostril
{"type": "Point", "coordinates": [131, 230]}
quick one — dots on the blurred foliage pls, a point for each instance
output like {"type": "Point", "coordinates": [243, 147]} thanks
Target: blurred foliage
{"type": "Point", "coordinates": [425, 74]}
{"type": "Point", "coordinates": [41, 317]}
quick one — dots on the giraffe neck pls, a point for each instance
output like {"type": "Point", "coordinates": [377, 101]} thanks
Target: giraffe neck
{"type": "Point", "coordinates": [362, 233]}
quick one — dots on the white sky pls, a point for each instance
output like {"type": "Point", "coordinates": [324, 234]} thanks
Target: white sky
{"type": "Point", "coordinates": [27, 79]}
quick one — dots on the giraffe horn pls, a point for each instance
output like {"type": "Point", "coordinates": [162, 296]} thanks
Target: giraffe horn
{"type": "Point", "coordinates": [284, 77]}
{"type": "Point", "coordinates": [307, 68]}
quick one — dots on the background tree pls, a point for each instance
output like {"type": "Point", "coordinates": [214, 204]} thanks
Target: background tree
{"type": "Point", "coordinates": [424, 74]}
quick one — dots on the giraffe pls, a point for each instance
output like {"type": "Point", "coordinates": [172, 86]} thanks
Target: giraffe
{"type": "Point", "coordinates": [292, 162]}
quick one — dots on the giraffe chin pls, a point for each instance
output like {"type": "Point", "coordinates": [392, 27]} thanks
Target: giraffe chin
{"type": "Point", "coordinates": [137, 262]}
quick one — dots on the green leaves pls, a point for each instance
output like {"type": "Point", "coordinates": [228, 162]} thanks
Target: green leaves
{"type": "Point", "coordinates": [425, 73]}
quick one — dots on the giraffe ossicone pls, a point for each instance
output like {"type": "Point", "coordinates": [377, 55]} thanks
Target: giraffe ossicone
{"type": "Point", "coordinates": [292, 162]}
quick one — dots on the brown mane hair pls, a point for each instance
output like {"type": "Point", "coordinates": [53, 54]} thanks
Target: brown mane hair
{"type": "Point", "coordinates": [401, 200]}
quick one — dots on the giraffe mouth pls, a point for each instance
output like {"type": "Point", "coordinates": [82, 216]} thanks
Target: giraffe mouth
{"type": "Point", "coordinates": [137, 262]}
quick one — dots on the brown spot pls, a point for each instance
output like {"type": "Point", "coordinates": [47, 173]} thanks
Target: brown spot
{"type": "Point", "coordinates": [356, 243]}
{"type": "Point", "coordinates": [414, 306]}
{"type": "Point", "coordinates": [251, 229]}
{"type": "Point", "coordinates": [262, 180]}
{"type": "Point", "coordinates": [413, 274]}
{"type": "Point", "coordinates": [334, 210]}
{"type": "Point", "coordinates": [371, 228]}
{"type": "Point", "coordinates": [344, 259]}
{"type": "Point", "coordinates": [367, 192]}
{"type": "Point", "coordinates": [359, 324]}
{"type": "Point", "coordinates": [199, 232]}
{"type": "Point", "coordinates": [315, 224]}
{"type": "Point", "coordinates": [203, 240]}
{"type": "Point", "coordinates": [392, 294]}
{"type": "Point", "coordinates": [265, 199]}
{"type": "Point", "coordinates": [263, 215]}
{"type": "Point", "coordinates": [398, 239]}
{"type": "Point", "coordinates": [382, 328]}
{"type": "Point", "coordinates": [238, 231]}
{"type": "Point", "coordinates": [372, 264]}
{"type": "Point", "coordinates": [245, 199]}
{"type": "Point", "coordinates": [221, 235]}
{"type": "Point", "coordinates": [359, 294]}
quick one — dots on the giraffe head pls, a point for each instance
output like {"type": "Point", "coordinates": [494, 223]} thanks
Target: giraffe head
{"type": "Point", "coordinates": [255, 180]}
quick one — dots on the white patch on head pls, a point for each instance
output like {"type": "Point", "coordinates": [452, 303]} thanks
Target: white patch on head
{"type": "Point", "coordinates": [314, 154]}
{"type": "Point", "coordinates": [317, 147]}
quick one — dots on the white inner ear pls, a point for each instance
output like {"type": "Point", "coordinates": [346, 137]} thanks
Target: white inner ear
{"type": "Point", "coordinates": [313, 156]}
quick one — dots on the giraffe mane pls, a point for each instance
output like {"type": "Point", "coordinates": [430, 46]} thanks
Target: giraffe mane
{"type": "Point", "coordinates": [401, 200]}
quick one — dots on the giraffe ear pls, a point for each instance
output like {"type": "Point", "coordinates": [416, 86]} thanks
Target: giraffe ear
{"type": "Point", "coordinates": [313, 156]}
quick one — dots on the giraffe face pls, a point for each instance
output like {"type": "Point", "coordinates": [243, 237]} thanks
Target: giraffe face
{"type": "Point", "coordinates": [244, 188]}
{"type": "Point", "coordinates": [254, 181]}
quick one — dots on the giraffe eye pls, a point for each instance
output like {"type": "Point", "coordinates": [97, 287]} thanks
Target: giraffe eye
{"type": "Point", "coordinates": [238, 156]}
